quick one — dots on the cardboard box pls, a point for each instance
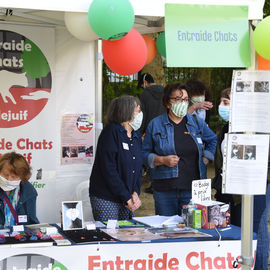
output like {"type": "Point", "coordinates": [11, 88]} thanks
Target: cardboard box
{"type": "Point", "coordinates": [214, 214]}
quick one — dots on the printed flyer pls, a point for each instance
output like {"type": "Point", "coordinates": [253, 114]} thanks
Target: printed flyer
{"type": "Point", "coordinates": [77, 137]}
{"type": "Point", "coordinates": [245, 164]}
{"type": "Point", "coordinates": [250, 99]}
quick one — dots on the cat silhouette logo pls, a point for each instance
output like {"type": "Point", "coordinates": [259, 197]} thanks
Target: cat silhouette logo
{"type": "Point", "coordinates": [25, 80]}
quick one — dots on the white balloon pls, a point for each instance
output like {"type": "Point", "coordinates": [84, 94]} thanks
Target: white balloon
{"type": "Point", "coordinates": [78, 25]}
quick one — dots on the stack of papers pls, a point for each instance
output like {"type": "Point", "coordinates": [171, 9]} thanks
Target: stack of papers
{"type": "Point", "coordinates": [160, 221]}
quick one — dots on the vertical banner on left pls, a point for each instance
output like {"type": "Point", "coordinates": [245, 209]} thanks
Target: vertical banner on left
{"type": "Point", "coordinates": [27, 99]}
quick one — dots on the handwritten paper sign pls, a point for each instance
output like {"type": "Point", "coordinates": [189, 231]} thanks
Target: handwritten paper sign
{"type": "Point", "coordinates": [201, 190]}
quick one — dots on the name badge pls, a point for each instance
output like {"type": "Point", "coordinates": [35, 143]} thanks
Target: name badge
{"type": "Point", "coordinates": [18, 228]}
{"type": "Point", "coordinates": [125, 146]}
{"type": "Point", "coordinates": [199, 140]}
{"type": "Point", "coordinates": [22, 218]}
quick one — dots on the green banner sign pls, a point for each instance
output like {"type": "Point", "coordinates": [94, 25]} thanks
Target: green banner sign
{"type": "Point", "coordinates": [207, 36]}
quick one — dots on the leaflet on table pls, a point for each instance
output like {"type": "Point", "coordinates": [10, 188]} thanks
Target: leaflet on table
{"type": "Point", "coordinates": [245, 164]}
{"type": "Point", "coordinates": [132, 234]}
{"type": "Point", "coordinates": [149, 234]}
{"type": "Point", "coordinates": [175, 232]}
{"type": "Point", "coordinates": [250, 99]}
{"type": "Point", "coordinates": [159, 221]}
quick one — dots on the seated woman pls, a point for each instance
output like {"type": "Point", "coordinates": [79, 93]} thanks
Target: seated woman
{"type": "Point", "coordinates": [17, 195]}
{"type": "Point", "coordinates": [177, 147]}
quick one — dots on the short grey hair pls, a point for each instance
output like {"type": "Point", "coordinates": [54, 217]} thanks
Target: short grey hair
{"type": "Point", "coordinates": [121, 109]}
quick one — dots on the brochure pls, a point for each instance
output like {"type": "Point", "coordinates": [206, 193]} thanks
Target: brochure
{"type": "Point", "coordinates": [250, 99]}
{"type": "Point", "coordinates": [132, 234]}
{"type": "Point", "coordinates": [245, 164]}
{"type": "Point", "coordinates": [159, 221]}
{"type": "Point", "coordinates": [175, 232]}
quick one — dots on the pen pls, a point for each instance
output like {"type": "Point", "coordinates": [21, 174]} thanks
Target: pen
{"type": "Point", "coordinates": [225, 229]}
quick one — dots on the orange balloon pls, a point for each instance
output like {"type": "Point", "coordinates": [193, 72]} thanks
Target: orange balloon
{"type": "Point", "coordinates": [263, 64]}
{"type": "Point", "coordinates": [151, 48]}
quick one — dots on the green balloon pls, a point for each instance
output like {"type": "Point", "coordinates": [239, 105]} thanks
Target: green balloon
{"type": "Point", "coordinates": [111, 19]}
{"type": "Point", "coordinates": [261, 38]}
{"type": "Point", "coordinates": [244, 50]}
{"type": "Point", "coordinates": [161, 44]}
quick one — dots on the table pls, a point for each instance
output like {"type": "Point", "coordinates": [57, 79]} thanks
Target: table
{"type": "Point", "coordinates": [191, 254]}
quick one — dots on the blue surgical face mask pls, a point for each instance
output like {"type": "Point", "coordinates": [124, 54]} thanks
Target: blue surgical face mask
{"type": "Point", "coordinates": [224, 112]}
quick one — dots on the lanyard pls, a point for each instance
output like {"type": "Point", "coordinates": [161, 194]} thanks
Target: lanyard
{"type": "Point", "coordinates": [12, 210]}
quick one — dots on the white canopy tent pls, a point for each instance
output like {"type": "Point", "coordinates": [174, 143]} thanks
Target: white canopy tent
{"type": "Point", "coordinates": [149, 18]}
{"type": "Point", "coordinates": [141, 7]}
{"type": "Point", "coordinates": [149, 15]}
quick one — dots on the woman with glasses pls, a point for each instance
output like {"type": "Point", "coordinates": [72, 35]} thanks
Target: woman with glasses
{"type": "Point", "coordinates": [176, 148]}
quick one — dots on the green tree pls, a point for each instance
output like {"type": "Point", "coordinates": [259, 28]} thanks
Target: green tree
{"type": "Point", "coordinates": [34, 63]}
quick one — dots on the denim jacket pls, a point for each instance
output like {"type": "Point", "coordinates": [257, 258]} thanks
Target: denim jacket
{"type": "Point", "coordinates": [26, 204]}
{"type": "Point", "coordinates": [159, 140]}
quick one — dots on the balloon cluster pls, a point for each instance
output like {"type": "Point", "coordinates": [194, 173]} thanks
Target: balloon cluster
{"type": "Point", "coordinates": [261, 38]}
{"type": "Point", "coordinates": [125, 50]}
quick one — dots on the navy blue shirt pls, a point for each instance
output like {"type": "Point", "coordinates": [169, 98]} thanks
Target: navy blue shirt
{"type": "Point", "coordinates": [117, 170]}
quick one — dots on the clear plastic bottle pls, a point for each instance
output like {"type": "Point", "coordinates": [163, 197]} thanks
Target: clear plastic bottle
{"type": "Point", "coordinates": [184, 213]}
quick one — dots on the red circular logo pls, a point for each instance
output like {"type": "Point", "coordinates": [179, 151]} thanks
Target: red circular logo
{"type": "Point", "coordinates": [84, 123]}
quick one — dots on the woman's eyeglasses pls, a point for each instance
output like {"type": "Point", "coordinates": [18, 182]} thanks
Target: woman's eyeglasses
{"type": "Point", "coordinates": [178, 99]}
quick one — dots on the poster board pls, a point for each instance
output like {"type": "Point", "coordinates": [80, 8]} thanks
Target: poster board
{"type": "Point", "coordinates": [250, 99]}
{"type": "Point", "coordinates": [245, 164]}
{"type": "Point", "coordinates": [73, 77]}
{"type": "Point", "coordinates": [207, 36]}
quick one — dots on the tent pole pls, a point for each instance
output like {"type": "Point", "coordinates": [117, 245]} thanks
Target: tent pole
{"type": "Point", "coordinates": [246, 258]}
{"type": "Point", "coordinates": [98, 90]}
{"type": "Point", "coordinates": [247, 232]}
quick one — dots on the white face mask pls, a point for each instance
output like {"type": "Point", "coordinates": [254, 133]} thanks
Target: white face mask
{"type": "Point", "coordinates": [8, 185]}
{"type": "Point", "coordinates": [137, 121]}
